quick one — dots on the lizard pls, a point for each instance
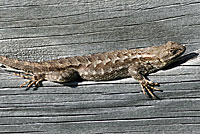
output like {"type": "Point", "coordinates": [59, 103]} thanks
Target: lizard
{"type": "Point", "coordinates": [135, 63]}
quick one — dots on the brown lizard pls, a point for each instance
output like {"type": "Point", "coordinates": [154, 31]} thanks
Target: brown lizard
{"type": "Point", "coordinates": [136, 63]}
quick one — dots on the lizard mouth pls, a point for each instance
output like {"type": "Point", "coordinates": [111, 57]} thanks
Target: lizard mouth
{"type": "Point", "coordinates": [181, 51]}
{"type": "Point", "coordinates": [177, 54]}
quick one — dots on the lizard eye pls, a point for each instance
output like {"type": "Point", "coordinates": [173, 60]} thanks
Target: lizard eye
{"type": "Point", "coordinates": [173, 52]}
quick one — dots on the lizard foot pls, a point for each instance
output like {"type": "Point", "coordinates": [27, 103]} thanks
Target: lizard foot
{"type": "Point", "coordinates": [33, 79]}
{"type": "Point", "coordinates": [148, 87]}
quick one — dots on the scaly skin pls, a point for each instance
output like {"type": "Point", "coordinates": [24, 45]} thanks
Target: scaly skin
{"type": "Point", "coordinates": [136, 63]}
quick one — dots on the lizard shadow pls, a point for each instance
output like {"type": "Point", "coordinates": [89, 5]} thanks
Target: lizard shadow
{"type": "Point", "coordinates": [181, 60]}
{"type": "Point", "coordinates": [72, 84]}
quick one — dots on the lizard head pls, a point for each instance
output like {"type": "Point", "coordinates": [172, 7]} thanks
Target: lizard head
{"type": "Point", "coordinates": [170, 51]}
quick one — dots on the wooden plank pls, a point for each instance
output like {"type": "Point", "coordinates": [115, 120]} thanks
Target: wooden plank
{"type": "Point", "coordinates": [43, 30]}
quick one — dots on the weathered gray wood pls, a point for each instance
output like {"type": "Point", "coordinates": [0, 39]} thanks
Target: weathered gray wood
{"type": "Point", "coordinates": [43, 30]}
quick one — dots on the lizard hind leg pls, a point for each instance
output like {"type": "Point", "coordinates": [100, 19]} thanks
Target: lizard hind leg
{"type": "Point", "coordinates": [34, 79]}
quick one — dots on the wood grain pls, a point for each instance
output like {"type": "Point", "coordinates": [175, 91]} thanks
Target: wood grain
{"type": "Point", "coordinates": [44, 30]}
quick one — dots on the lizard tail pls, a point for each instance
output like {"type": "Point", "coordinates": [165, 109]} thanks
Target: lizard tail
{"type": "Point", "coordinates": [20, 65]}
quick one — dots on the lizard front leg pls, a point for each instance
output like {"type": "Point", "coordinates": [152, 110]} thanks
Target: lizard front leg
{"type": "Point", "coordinates": [138, 73]}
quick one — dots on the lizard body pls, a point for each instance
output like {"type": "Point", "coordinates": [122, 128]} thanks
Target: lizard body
{"type": "Point", "coordinates": [134, 63]}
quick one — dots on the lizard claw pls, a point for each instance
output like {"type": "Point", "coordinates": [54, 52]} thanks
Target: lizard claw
{"type": "Point", "coordinates": [151, 83]}
{"type": "Point", "coordinates": [148, 87]}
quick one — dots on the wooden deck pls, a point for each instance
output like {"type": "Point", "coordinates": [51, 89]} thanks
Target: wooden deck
{"type": "Point", "coordinates": [43, 30]}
